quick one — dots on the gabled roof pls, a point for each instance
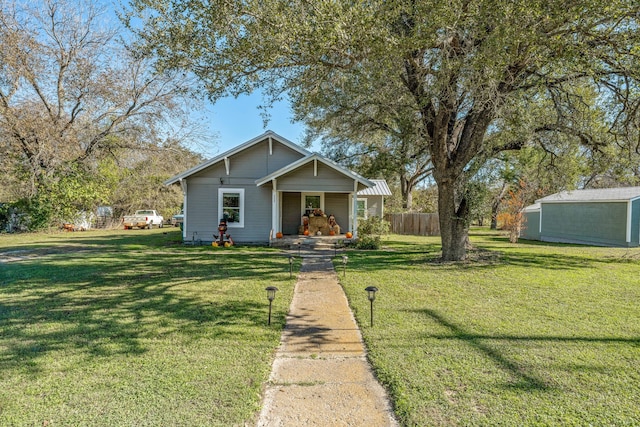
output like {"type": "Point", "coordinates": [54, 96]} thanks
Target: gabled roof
{"type": "Point", "coordinates": [311, 157]}
{"type": "Point", "coordinates": [236, 150]}
{"type": "Point", "coordinates": [622, 194]}
{"type": "Point", "coordinates": [380, 188]}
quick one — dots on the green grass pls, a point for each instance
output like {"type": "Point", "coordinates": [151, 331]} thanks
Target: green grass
{"type": "Point", "coordinates": [531, 334]}
{"type": "Point", "coordinates": [132, 328]}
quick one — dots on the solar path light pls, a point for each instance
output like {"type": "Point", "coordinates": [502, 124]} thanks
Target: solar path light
{"type": "Point", "coordinates": [291, 258]}
{"type": "Point", "coordinates": [271, 295]}
{"type": "Point", "coordinates": [371, 293]}
{"type": "Point", "coordinates": [344, 265]}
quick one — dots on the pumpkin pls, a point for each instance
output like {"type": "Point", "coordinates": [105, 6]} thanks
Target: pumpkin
{"type": "Point", "coordinates": [279, 235]}
{"type": "Point", "coordinates": [306, 232]}
{"type": "Point", "coordinates": [349, 235]}
{"type": "Point", "coordinates": [214, 244]}
{"type": "Point", "coordinates": [227, 244]}
{"type": "Point", "coordinates": [332, 233]}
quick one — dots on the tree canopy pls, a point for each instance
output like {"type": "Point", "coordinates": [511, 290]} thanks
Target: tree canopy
{"type": "Point", "coordinates": [457, 69]}
{"type": "Point", "coordinates": [78, 108]}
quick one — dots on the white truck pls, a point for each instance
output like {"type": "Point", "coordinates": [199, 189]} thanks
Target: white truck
{"type": "Point", "coordinates": [144, 218]}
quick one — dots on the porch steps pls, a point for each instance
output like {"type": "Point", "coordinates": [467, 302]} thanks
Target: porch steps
{"type": "Point", "coordinates": [310, 243]}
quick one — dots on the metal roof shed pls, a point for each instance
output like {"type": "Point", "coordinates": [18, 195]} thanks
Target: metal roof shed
{"type": "Point", "coordinates": [605, 217]}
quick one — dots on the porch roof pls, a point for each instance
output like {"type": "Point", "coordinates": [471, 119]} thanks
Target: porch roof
{"type": "Point", "coordinates": [380, 188]}
{"type": "Point", "coordinates": [308, 159]}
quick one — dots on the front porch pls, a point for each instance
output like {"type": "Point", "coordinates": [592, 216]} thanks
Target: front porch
{"type": "Point", "coordinates": [295, 242]}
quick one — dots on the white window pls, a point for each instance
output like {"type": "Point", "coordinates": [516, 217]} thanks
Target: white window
{"type": "Point", "coordinates": [312, 201]}
{"type": "Point", "coordinates": [231, 206]}
{"type": "Point", "coordinates": [362, 209]}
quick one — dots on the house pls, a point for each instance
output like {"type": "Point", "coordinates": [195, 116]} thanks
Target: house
{"type": "Point", "coordinates": [267, 185]}
{"type": "Point", "coordinates": [605, 217]}
{"type": "Point", "coordinates": [371, 200]}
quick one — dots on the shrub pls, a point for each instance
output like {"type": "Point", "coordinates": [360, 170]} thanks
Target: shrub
{"type": "Point", "coordinates": [369, 232]}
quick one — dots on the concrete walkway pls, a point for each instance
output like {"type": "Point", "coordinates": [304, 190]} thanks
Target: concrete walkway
{"type": "Point", "coordinates": [321, 376]}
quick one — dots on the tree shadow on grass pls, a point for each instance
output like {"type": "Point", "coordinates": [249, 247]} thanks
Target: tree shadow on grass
{"type": "Point", "coordinates": [525, 378]}
{"type": "Point", "coordinates": [118, 302]}
{"type": "Point", "coordinates": [538, 255]}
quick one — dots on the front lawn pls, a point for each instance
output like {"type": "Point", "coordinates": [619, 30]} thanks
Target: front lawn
{"type": "Point", "coordinates": [530, 334]}
{"type": "Point", "coordinates": [110, 328]}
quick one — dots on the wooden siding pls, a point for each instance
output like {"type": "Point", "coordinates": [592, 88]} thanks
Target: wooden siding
{"type": "Point", "coordinates": [253, 163]}
{"type": "Point", "coordinates": [291, 215]}
{"type": "Point", "coordinates": [338, 205]}
{"type": "Point", "coordinates": [374, 205]}
{"type": "Point", "coordinates": [415, 224]}
{"type": "Point", "coordinates": [202, 210]}
{"type": "Point", "coordinates": [303, 180]}
{"type": "Point", "coordinates": [245, 168]}
{"type": "Point", "coordinates": [601, 223]}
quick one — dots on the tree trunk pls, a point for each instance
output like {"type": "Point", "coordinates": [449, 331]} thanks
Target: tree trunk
{"type": "Point", "coordinates": [494, 217]}
{"type": "Point", "coordinates": [495, 205]}
{"type": "Point", "coordinates": [406, 188]}
{"type": "Point", "coordinates": [454, 229]}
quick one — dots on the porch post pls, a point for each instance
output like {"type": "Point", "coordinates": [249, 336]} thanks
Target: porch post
{"type": "Point", "coordinates": [274, 207]}
{"type": "Point", "coordinates": [183, 185]}
{"type": "Point", "coordinates": [355, 209]}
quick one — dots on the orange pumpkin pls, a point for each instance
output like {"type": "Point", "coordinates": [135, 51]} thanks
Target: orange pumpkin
{"type": "Point", "coordinates": [332, 233]}
{"type": "Point", "coordinates": [306, 232]}
{"type": "Point", "coordinates": [349, 235]}
{"type": "Point", "coordinates": [279, 235]}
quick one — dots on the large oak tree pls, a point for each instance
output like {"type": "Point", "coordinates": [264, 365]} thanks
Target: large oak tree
{"type": "Point", "coordinates": [459, 65]}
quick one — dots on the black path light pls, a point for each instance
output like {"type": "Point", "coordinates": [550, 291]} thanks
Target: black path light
{"type": "Point", "coordinates": [344, 265]}
{"type": "Point", "coordinates": [271, 295]}
{"type": "Point", "coordinates": [371, 293]}
{"type": "Point", "coordinates": [291, 259]}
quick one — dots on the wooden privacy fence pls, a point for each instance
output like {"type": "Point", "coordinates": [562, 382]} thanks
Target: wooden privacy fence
{"type": "Point", "coordinates": [415, 224]}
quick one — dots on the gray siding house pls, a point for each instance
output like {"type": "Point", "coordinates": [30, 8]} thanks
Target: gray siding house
{"type": "Point", "coordinates": [371, 200]}
{"type": "Point", "coordinates": [606, 217]}
{"type": "Point", "coordinates": [265, 186]}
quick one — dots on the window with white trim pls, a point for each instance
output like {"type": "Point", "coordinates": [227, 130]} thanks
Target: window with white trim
{"type": "Point", "coordinates": [362, 209]}
{"type": "Point", "coordinates": [231, 206]}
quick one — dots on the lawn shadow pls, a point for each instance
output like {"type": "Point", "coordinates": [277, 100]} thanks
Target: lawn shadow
{"type": "Point", "coordinates": [119, 301]}
{"type": "Point", "coordinates": [526, 379]}
{"type": "Point", "coordinates": [428, 254]}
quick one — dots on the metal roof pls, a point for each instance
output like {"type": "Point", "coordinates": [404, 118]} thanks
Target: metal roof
{"type": "Point", "coordinates": [380, 188]}
{"type": "Point", "coordinates": [594, 195]}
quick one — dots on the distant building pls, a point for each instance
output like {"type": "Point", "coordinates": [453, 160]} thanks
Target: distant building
{"type": "Point", "coordinates": [605, 217]}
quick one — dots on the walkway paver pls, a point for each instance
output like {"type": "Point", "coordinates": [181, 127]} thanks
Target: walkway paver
{"type": "Point", "coordinates": [321, 376]}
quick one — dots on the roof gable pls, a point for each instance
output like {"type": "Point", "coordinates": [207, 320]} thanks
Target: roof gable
{"type": "Point", "coordinates": [226, 155]}
{"type": "Point", "coordinates": [310, 158]}
{"type": "Point", "coordinates": [594, 195]}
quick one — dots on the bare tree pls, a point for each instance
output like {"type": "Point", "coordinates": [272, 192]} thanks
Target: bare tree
{"type": "Point", "coordinates": [71, 93]}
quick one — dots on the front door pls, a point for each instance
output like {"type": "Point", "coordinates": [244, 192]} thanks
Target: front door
{"type": "Point", "coordinates": [291, 218]}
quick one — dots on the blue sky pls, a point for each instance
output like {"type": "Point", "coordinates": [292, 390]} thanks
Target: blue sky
{"type": "Point", "coordinates": [238, 120]}
{"type": "Point", "coordinates": [232, 121]}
